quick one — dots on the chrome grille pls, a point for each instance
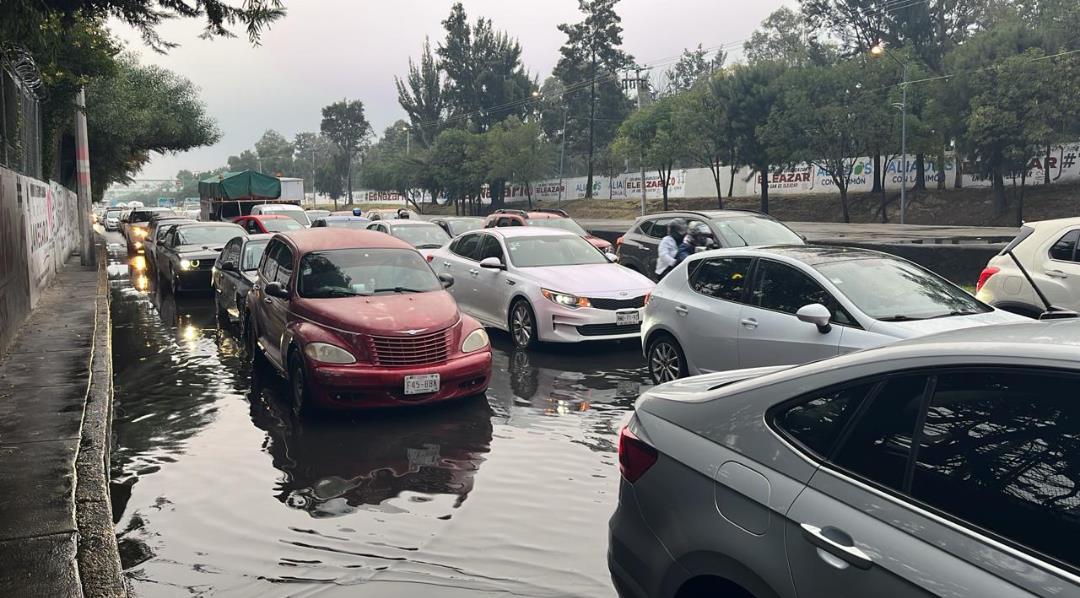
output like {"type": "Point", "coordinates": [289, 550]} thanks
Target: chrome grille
{"type": "Point", "coordinates": [421, 349]}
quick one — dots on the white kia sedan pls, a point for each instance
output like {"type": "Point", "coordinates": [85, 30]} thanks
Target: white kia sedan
{"type": "Point", "coordinates": [543, 285]}
{"type": "Point", "coordinates": [786, 305]}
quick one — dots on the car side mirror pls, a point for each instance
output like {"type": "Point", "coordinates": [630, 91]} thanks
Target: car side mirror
{"type": "Point", "coordinates": [492, 263]}
{"type": "Point", "coordinates": [816, 314]}
{"type": "Point", "coordinates": [612, 257]}
{"type": "Point", "coordinates": [227, 267]}
{"type": "Point", "coordinates": [276, 289]}
{"type": "Point", "coordinates": [446, 279]}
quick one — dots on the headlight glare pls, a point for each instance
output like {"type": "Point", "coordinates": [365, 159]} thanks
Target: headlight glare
{"type": "Point", "coordinates": [327, 353]}
{"type": "Point", "coordinates": [477, 339]}
{"type": "Point", "coordinates": [186, 264]}
{"type": "Point", "coordinates": [565, 299]}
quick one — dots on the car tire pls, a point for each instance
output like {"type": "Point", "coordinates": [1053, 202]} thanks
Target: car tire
{"type": "Point", "coordinates": [522, 324]}
{"type": "Point", "coordinates": [665, 359]}
{"type": "Point", "coordinates": [299, 396]}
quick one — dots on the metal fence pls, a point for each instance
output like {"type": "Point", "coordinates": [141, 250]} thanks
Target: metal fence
{"type": "Point", "coordinates": [20, 121]}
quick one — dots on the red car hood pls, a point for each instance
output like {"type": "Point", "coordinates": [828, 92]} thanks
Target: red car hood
{"type": "Point", "coordinates": [383, 315]}
{"type": "Point", "coordinates": [597, 242]}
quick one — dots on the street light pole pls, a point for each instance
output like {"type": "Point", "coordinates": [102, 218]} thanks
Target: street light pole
{"type": "Point", "coordinates": [877, 50]}
{"type": "Point", "coordinates": [314, 201]}
{"type": "Point", "coordinates": [562, 153]}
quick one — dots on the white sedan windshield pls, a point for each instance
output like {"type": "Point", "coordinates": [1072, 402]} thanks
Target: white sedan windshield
{"type": "Point", "coordinates": [531, 252]}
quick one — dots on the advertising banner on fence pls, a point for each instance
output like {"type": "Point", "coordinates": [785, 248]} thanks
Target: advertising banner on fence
{"type": "Point", "coordinates": [37, 198]}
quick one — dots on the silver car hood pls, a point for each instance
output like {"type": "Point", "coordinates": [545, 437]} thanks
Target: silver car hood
{"type": "Point", "coordinates": [699, 388]}
{"type": "Point", "coordinates": [924, 327]}
{"type": "Point", "coordinates": [590, 280]}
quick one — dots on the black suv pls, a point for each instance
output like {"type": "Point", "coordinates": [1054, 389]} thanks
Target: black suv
{"type": "Point", "coordinates": [729, 228]}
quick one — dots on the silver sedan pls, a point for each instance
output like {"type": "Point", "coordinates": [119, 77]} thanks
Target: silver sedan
{"type": "Point", "coordinates": [941, 466]}
{"type": "Point", "coordinates": [750, 307]}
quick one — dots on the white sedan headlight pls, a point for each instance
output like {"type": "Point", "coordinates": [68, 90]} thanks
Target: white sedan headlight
{"type": "Point", "coordinates": [327, 353]}
{"type": "Point", "coordinates": [565, 299]}
{"type": "Point", "coordinates": [477, 339]}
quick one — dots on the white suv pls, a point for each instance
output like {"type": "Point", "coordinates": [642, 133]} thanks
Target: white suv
{"type": "Point", "coordinates": [1048, 251]}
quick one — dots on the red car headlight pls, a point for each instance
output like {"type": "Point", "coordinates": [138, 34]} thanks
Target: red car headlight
{"type": "Point", "coordinates": [327, 353]}
{"type": "Point", "coordinates": [475, 341]}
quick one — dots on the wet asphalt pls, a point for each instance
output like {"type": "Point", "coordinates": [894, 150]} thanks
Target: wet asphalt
{"type": "Point", "coordinates": [218, 490]}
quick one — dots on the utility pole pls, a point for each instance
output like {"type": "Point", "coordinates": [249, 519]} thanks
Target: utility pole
{"type": "Point", "coordinates": [562, 152]}
{"type": "Point", "coordinates": [82, 174]}
{"type": "Point", "coordinates": [313, 196]}
{"type": "Point", "coordinates": [640, 90]}
{"type": "Point", "coordinates": [879, 49]}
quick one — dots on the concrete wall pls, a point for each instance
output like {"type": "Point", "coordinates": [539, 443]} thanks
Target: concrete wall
{"type": "Point", "coordinates": [38, 232]}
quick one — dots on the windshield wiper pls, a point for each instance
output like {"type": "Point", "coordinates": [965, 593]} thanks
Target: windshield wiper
{"type": "Point", "coordinates": [957, 312]}
{"type": "Point", "coordinates": [428, 246]}
{"type": "Point", "coordinates": [900, 318]}
{"type": "Point", "coordinates": [398, 290]}
{"type": "Point", "coordinates": [337, 292]}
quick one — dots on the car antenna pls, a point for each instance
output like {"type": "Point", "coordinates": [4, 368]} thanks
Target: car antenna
{"type": "Point", "coordinates": [1051, 313]}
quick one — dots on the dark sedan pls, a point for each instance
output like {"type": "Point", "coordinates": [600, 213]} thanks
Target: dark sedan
{"type": "Point", "coordinates": [187, 254]}
{"type": "Point", "coordinates": [234, 272]}
{"type": "Point", "coordinates": [458, 225]}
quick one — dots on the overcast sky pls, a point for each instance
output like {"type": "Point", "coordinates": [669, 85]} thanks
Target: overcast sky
{"type": "Point", "coordinates": [324, 50]}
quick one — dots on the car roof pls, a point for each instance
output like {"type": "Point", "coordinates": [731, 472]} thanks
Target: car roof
{"type": "Point", "coordinates": [152, 209]}
{"type": "Point", "coordinates": [314, 239]}
{"type": "Point", "coordinates": [509, 232]}
{"type": "Point", "coordinates": [708, 214]}
{"type": "Point", "coordinates": [342, 218]}
{"type": "Point", "coordinates": [259, 237]}
{"type": "Point", "coordinates": [404, 221]}
{"type": "Point", "coordinates": [218, 224]}
{"type": "Point", "coordinates": [1054, 223]}
{"type": "Point", "coordinates": [278, 206]}
{"type": "Point", "coordinates": [267, 217]}
{"type": "Point", "coordinates": [811, 255]}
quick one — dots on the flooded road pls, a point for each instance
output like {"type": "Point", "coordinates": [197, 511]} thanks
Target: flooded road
{"type": "Point", "coordinates": [218, 490]}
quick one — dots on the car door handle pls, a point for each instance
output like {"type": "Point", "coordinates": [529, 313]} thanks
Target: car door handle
{"type": "Point", "coordinates": [1056, 274]}
{"type": "Point", "coordinates": [681, 310]}
{"type": "Point", "coordinates": [446, 264]}
{"type": "Point", "coordinates": [849, 554]}
{"type": "Point", "coordinates": [474, 272]}
{"type": "Point", "coordinates": [750, 323]}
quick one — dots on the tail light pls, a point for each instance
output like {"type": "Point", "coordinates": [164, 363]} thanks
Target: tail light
{"type": "Point", "coordinates": [430, 257]}
{"type": "Point", "coordinates": [647, 297]}
{"type": "Point", "coordinates": [985, 276]}
{"type": "Point", "coordinates": [635, 457]}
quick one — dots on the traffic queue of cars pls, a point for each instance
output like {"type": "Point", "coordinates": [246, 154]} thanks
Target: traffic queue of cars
{"type": "Point", "coordinates": [855, 423]}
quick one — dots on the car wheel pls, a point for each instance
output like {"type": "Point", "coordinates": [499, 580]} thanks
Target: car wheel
{"type": "Point", "coordinates": [298, 390]}
{"type": "Point", "coordinates": [666, 359]}
{"type": "Point", "coordinates": [523, 325]}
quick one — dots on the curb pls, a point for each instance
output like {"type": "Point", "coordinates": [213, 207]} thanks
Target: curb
{"type": "Point", "coordinates": [98, 557]}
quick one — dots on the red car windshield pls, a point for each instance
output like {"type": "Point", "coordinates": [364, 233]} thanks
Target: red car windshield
{"type": "Point", "coordinates": [362, 272]}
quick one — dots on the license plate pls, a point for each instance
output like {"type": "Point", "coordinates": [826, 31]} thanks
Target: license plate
{"type": "Point", "coordinates": [421, 384]}
{"type": "Point", "coordinates": [627, 318]}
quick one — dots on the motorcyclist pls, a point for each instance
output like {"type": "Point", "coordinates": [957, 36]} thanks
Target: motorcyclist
{"type": "Point", "coordinates": [698, 236]}
{"type": "Point", "coordinates": [668, 251]}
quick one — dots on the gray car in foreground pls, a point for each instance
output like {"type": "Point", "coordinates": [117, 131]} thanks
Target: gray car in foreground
{"type": "Point", "coordinates": [947, 465]}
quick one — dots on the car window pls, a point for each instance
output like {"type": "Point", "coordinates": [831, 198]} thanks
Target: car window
{"type": "Point", "coordinates": [253, 252]}
{"type": "Point", "coordinates": [816, 420]}
{"type": "Point", "coordinates": [562, 250]}
{"type": "Point", "coordinates": [657, 229]}
{"type": "Point", "coordinates": [1002, 451]}
{"type": "Point", "coordinates": [878, 445]}
{"type": "Point", "coordinates": [277, 225]}
{"type": "Point", "coordinates": [468, 246]}
{"type": "Point", "coordinates": [754, 231]}
{"type": "Point", "coordinates": [503, 221]}
{"type": "Point", "coordinates": [422, 235]}
{"type": "Point", "coordinates": [489, 247]}
{"type": "Point", "coordinates": [284, 260]}
{"type": "Point", "coordinates": [458, 227]}
{"type": "Point", "coordinates": [722, 278]}
{"type": "Point", "coordinates": [783, 288]}
{"type": "Point", "coordinates": [231, 253]}
{"type": "Point", "coordinates": [1065, 249]}
{"type": "Point", "coordinates": [268, 270]}
{"type": "Point", "coordinates": [352, 272]}
{"type": "Point", "coordinates": [207, 235]}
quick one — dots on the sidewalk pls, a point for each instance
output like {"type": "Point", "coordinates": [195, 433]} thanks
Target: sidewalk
{"type": "Point", "coordinates": [55, 405]}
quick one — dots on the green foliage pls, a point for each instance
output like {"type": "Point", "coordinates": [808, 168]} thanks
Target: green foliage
{"type": "Point", "coordinates": [458, 162]}
{"type": "Point", "coordinates": [693, 66]}
{"type": "Point", "coordinates": [651, 135]}
{"type": "Point", "coordinates": [275, 153]}
{"type": "Point", "coordinates": [345, 125]}
{"type": "Point", "coordinates": [486, 81]}
{"type": "Point", "coordinates": [754, 89]}
{"type": "Point", "coordinates": [126, 124]}
{"type": "Point", "coordinates": [703, 117]}
{"type": "Point", "coordinates": [785, 36]}
{"type": "Point", "coordinates": [588, 70]}
{"type": "Point", "coordinates": [422, 96]}
{"type": "Point", "coordinates": [516, 152]}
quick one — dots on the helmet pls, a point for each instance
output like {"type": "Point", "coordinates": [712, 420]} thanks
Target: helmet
{"type": "Point", "coordinates": [356, 212]}
{"type": "Point", "coordinates": [677, 227]}
{"type": "Point", "coordinates": [700, 230]}
{"type": "Point", "coordinates": [403, 214]}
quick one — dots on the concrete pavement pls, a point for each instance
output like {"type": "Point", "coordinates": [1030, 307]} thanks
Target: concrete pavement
{"type": "Point", "coordinates": [56, 536]}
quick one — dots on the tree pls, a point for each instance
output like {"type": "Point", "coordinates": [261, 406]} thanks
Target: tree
{"type": "Point", "coordinates": [815, 121]}
{"type": "Point", "coordinates": [517, 153]}
{"type": "Point", "coordinates": [486, 81]}
{"type": "Point", "coordinates": [588, 69]}
{"type": "Point", "coordinates": [344, 124]}
{"type": "Point", "coordinates": [247, 160]}
{"type": "Point", "coordinates": [457, 160]}
{"type": "Point", "coordinates": [702, 117]}
{"type": "Point", "coordinates": [753, 92]}
{"type": "Point", "coordinates": [126, 120]}
{"type": "Point", "coordinates": [275, 154]}
{"type": "Point", "coordinates": [785, 36]}
{"type": "Point", "coordinates": [651, 136]}
{"type": "Point", "coordinates": [422, 96]}
{"type": "Point", "coordinates": [693, 66]}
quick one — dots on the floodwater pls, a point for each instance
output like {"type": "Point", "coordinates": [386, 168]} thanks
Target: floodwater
{"type": "Point", "coordinates": [218, 490]}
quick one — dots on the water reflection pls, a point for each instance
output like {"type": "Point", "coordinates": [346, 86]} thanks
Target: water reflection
{"type": "Point", "coordinates": [334, 464]}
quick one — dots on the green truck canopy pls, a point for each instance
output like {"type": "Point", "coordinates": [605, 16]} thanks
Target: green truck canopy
{"type": "Point", "coordinates": [246, 184]}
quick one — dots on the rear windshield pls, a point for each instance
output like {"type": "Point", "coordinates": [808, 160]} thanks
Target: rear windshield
{"type": "Point", "coordinates": [277, 225]}
{"type": "Point", "coordinates": [295, 212]}
{"type": "Point", "coordinates": [460, 227]}
{"type": "Point", "coordinates": [146, 215]}
{"type": "Point", "coordinates": [422, 236]}
{"type": "Point", "coordinates": [1025, 232]}
{"type": "Point", "coordinates": [559, 223]}
{"type": "Point", "coordinates": [358, 224]}
{"type": "Point", "coordinates": [755, 232]}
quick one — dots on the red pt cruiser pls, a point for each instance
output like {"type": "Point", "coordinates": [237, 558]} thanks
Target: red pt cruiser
{"type": "Point", "coordinates": [358, 319]}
